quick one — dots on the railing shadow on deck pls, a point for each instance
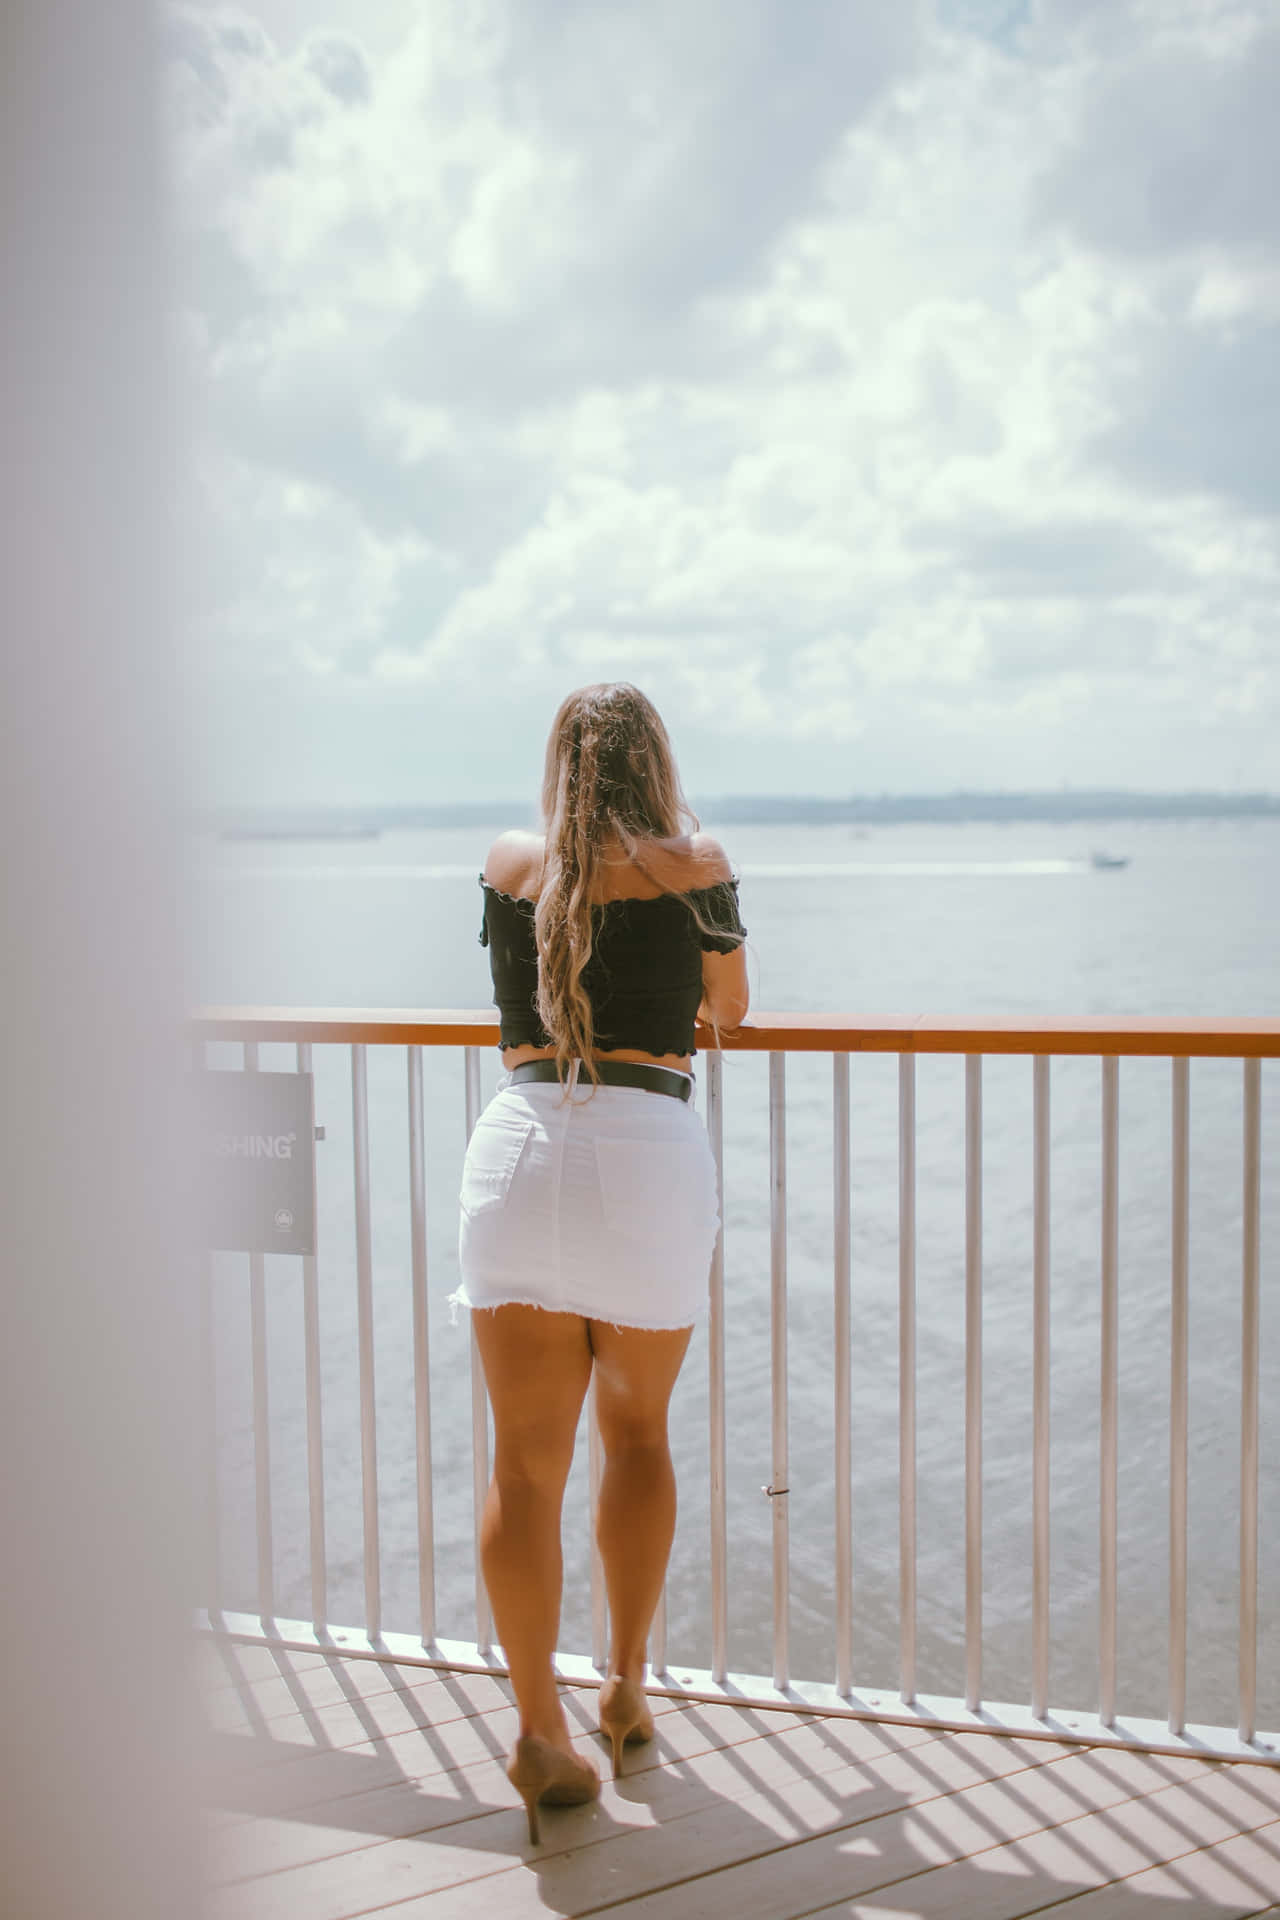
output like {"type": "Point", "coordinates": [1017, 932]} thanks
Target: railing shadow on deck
{"type": "Point", "coordinates": [791, 1814]}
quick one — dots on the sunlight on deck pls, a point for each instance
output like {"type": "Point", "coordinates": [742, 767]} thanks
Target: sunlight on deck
{"type": "Point", "coordinates": [340, 1787]}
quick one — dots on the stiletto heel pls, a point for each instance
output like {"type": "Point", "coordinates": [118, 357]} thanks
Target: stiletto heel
{"type": "Point", "coordinates": [624, 1716]}
{"type": "Point", "coordinates": [529, 1794]}
{"type": "Point", "coordinates": [540, 1772]}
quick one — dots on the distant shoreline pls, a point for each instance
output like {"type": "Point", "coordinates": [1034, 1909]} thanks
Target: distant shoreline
{"type": "Point", "coordinates": [888, 809]}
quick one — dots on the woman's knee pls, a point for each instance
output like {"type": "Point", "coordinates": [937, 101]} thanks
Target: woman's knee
{"type": "Point", "coordinates": [634, 1433]}
{"type": "Point", "coordinates": [532, 1459]}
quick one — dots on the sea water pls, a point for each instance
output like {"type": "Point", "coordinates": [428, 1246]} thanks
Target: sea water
{"type": "Point", "coordinates": [966, 921]}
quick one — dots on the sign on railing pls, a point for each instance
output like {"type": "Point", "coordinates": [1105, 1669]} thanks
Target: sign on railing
{"type": "Point", "coordinates": [256, 1161]}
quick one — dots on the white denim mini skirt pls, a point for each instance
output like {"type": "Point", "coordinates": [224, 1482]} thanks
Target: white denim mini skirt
{"type": "Point", "coordinates": [603, 1203]}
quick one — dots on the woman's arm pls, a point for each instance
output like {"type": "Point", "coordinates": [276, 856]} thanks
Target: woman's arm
{"type": "Point", "coordinates": [725, 991]}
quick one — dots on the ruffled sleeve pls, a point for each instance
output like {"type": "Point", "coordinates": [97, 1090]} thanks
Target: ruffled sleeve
{"type": "Point", "coordinates": [718, 907]}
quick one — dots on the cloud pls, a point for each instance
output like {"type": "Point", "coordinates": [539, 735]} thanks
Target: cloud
{"type": "Point", "coordinates": [837, 370]}
{"type": "Point", "coordinates": [1066, 560]}
{"type": "Point", "coordinates": [1202, 417]}
{"type": "Point", "coordinates": [1176, 142]}
{"type": "Point", "coordinates": [1167, 177]}
{"type": "Point", "coordinates": [339, 64]}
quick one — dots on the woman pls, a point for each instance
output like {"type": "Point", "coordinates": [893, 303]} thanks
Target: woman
{"type": "Point", "coordinates": [589, 1204]}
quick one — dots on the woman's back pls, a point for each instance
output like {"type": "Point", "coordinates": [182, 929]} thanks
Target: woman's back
{"type": "Point", "coordinates": [681, 864]}
{"type": "Point", "coordinates": [659, 920]}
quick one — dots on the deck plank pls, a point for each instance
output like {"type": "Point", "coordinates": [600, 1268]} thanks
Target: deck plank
{"type": "Point", "coordinates": [304, 1779]}
{"type": "Point", "coordinates": [256, 1777]}
{"type": "Point", "coordinates": [344, 1825]}
{"type": "Point", "coordinates": [867, 1845]}
{"type": "Point", "coordinates": [358, 1720]}
{"type": "Point", "coordinates": [221, 1662]}
{"type": "Point", "coordinates": [329, 1800]}
{"type": "Point", "coordinates": [1220, 1882]}
{"type": "Point", "coordinates": [712, 1813]}
{"type": "Point", "coordinates": [278, 1695]}
{"type": "Point", "coordinates": [1061, 1870]}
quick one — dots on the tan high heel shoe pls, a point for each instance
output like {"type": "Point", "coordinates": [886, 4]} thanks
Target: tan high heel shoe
{"type": "Point", "coordinates": [624, 1716]}
{"type": "Point", "coordinates": [542, 1773]}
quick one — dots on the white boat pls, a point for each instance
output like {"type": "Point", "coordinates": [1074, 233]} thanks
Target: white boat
{"type": "Point", "coordinates": [1106, 862]}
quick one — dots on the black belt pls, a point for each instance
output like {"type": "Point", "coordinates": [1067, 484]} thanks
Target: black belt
{"type": "Point", "coordinates": [614, 1073]}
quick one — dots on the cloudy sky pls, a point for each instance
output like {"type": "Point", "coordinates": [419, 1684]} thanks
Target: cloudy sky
{"type": "Point", "coordinates": [891, 390]}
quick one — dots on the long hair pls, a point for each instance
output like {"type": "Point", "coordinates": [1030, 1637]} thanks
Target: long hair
{"type": "Point", "coordinates": [610, 774]}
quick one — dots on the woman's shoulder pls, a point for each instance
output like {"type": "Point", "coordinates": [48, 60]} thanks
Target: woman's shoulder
{"type": "Point", "coordinates": [513, 863]}
{"type": "Point", "coordinates": [698, 860]}
{"type": "Point", "coordinates": [684, 863]}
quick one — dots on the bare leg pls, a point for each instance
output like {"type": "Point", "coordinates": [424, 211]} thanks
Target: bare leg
{"type": "Point", "coordinates": [537, 1365]}
{"type": "Point", "coordinates": [635, 1521]}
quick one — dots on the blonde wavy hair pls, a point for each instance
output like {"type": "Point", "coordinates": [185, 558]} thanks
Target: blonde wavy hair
{"type": "Point", "coordinates": [610, 775]}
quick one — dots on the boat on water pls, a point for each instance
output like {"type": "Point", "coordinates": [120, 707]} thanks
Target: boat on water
{"type": "Point", "coordinates": [1107, 862]}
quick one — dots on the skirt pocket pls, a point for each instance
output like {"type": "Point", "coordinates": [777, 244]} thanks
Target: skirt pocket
{"type": "Point", "coordinates": [657, 1190]}
{"type": "Point", "coordinates": [493, 1154]}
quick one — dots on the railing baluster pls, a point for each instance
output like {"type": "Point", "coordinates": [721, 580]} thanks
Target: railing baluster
{"type": "Point", "coordinates": [715, 1363]}
{"type": "Point", "coordinates": [315, 1426]}
{"type": "Point", "coordinates": [1250, 1316]}
{"type": "Point", "coordinates": [1178, 1362]}
{"type": "Point", "coordinates": [1109, 1447]}
{"type": "Point", "coordinates": [779, 1483]}
{"type": "Point", "coordinates": [261, 1410]}
{"type": "Point", "coordinates": [364, 1318]}
{"type": "Point", "coordinates": [479, 1403]}
{"type": "Point", "coordinates": [907, 1373]}
{"type": "Point", "coordinates": [595, 1464]}
{"type": "Point", "coordinates": [842, 1315]}
{"type": "Point", "coordinates": [1040, 1395]}
{"type": "Point", "coordinates": [973, 1380]}
{"type": "Point", "coordinates": [421, 1351]}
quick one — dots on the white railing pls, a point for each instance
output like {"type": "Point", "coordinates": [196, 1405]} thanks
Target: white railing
{"type": "Point", "coordinates": [779, 1036]}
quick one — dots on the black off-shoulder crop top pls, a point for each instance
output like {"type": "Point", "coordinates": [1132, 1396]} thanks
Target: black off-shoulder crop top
{"type": "Point", "coordinates": [644, 977]}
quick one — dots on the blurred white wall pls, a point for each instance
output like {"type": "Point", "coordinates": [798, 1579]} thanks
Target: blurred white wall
{"type": "Point", "coordinates": [96, 1743]}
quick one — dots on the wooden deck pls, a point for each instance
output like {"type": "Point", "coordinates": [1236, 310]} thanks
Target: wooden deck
{"type": "Point", "coordinates": [340, 1787]}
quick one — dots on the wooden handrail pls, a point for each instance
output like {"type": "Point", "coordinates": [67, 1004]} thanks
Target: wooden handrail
{"type": "Point", "coordinates": [1163, 1037]}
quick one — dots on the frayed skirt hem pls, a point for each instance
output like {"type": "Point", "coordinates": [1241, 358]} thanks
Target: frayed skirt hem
{"type": "Point", "coordinates": [584, 1312]}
